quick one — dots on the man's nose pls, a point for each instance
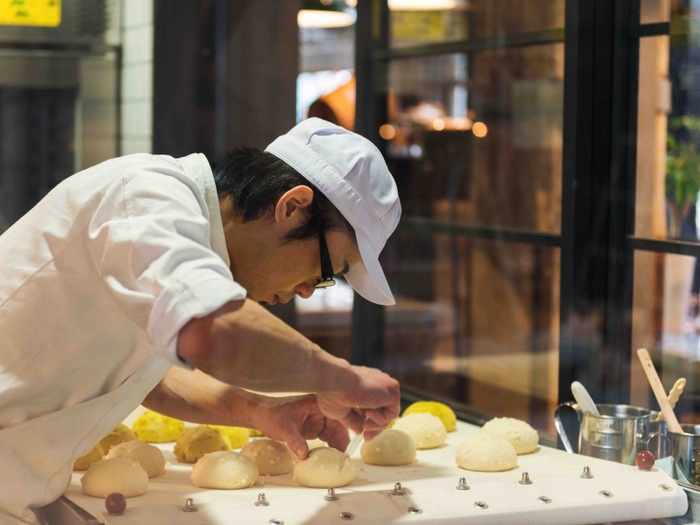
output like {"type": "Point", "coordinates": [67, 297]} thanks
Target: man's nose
{"type": "Point", "coordinates": [305, 290]}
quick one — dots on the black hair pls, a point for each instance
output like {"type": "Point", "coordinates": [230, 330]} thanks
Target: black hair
{"type": "Point", "coordinates": [254, 180]}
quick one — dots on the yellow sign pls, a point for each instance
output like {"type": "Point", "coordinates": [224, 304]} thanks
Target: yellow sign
{"type": "Point", "coordinates": [45, 13]}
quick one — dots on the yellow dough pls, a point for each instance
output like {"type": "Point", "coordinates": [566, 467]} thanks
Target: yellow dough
{"type": "Point", "coordinates": [441, 410]}
{"type": "Point", "coordinates": [254, 433]}
{"type": "Point", "coordinates": [486, 454]}
{"type": "Point", "coordinates": [321, 469]}
{"type": "Point", "coordinates": [224, 470]}
{"type": "Point", "coordinates": [522, 436]}
{"type": "Point", "coordinates": [149, 457]}
{"type": "Point", "coordinates": [153, 427]}
{"type": "Point", "coordinates": [426, 429]}
{"type": "Point", "coordinates": [390, 448]}
{"type": "Point", "coordinates": [271, 457]}
{"type": "Point", "coordinates": [119, 435]}
{"type": "Point", "coordinates": [88, 459]}
{"type": "Point", "coordinates": [235, 437]}
{"type": "Point", "coordinates": [121, 475]}
{"type": "Point", "coordinates": [196, 442]}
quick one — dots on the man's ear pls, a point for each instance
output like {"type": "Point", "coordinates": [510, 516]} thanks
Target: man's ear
{"type": "Point", "coordinates": [290, 207]}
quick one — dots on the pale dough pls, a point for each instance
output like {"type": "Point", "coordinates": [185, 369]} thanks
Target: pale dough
{"type": "Point", "coordinates": [426, 429]}
{"type": "Point", "coordinates": [149, 457]}
{"type": "Point", "coordinates": [88, 459]}
{"type": "Point", "coordinates": [486, 454]}
{"type": "Point", "coordinates": [121, 475]}
{"type": "Point", "coordinates": [196, 442]}
{"type": "Point", "coordinates": [271, 457]}
{"type": "Point", "coordinates": [390, 448]}
{"type": "Point", "coordinates": [522, 436]}
{"type": "Point", "coordinates": [224, 470]}
{"type": "Point", "coordinates": [322, 469]}
{"type": "Point", "coordinates": [315, 443]}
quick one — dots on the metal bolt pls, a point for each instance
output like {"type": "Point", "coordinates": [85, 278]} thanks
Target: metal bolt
{"type": "Point", "coordinates": [275, 521]}
{"type": "Point", "coordinates": [347, 516]}
{"type": "Point", "coordinates": [587, 473]}
{"type": "Point", "coordinates": [398, 490]}
{"type": "Point", "coordinates": [331, 495]}
{"type": "Point", "coordinates": [481, 505]}
{"type": "Point", "coordinates": [462, 485]}
{"type": "Point", "coordinates": [189, 506]}
{"type": "Point", "coordinates": [606, 493]}
{"type": "Point", "coordinates": [665, 487]}
{"type": "Point", "coordinates": [525, 479]}
{"type": "Point", "coordinates": [415, 510]}
{"type": "Point", "coordinates": [544, 499]}
{"type": "Point", "coordinates": [262, 500]}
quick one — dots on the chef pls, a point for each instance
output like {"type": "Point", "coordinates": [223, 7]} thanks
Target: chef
{"type": "Point", "coordinates": [138, 281]}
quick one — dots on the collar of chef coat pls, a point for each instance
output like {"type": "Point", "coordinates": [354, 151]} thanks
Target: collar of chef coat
{"type": "Point", "coordinates": [197, 168]}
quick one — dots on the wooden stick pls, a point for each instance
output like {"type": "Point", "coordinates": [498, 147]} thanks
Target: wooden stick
{"type": "Point", "coordinates": [658, 390]}
{"type": "Point", "coordinates": [673, 395]}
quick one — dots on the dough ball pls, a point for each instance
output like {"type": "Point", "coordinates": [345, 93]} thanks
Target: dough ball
{"type": "Point", "coordinates": [272, 457]}
{"type": "Point", "coordinates": [121, 434]}
{"type": "Point", "coordinates": [316, 443]}
{"type": "Point", "coordinates": [522, 436]}
{"type": "Point", "coordinates": [486, 454]}
{"type": "Point", "coordinates": [196, 442]}
{"type": "Point", "coordinates": [235, 437]}
{"type": "Point", "coordinates": [149, 457]}
{"type": "Point", "coordinates": [88, 459]}
{"type": "Point", "coordinates": [121, 475]}
{"type": "Point", "coordinates": [157, 428]}
{"type": "Point", "coordinates": [224, 470]}
{"type": "Point", "coordinates": [441, 410]}
{"type": "Point", "coordinates": [390, 448]}
{"type": "Point", "coordinates": [321, 469]}
{"type": "Point", "coordinates": [426, 429]}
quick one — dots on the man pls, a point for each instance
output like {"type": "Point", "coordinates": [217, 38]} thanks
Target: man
{"type": "Point", "coordinates": [138, 281]}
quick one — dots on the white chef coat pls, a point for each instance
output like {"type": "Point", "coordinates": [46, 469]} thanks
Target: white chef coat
{"type": "Point", "coordinates": [95, 283]}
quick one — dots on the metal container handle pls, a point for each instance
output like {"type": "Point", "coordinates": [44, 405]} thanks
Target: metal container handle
{"type": "Point", "coordinates": [560, 427]}
{"type": "Point", "coordinates": [659, 435]}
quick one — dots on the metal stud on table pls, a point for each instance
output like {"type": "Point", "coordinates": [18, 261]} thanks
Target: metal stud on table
{"type": "Point", "coordinates": [331, 495]}
{"type": "Point", "coordinates": [665, 488]}
{"type": "Point", "coordinates": [262, 500]}
{"type": "Point", "coordinates": [525, 479]}
{"type": "Point", "coordinates": [462, 485]}
{"type": "Point", "coordinates": [398, 490]}
{"type": "Point", "coordinates": [189, 506]}
{"type": "Point", "coordinates": [481, 505]}
{"type": "Point", "coordinates": [347, 516]}
{"type": "Point", "coordinates": [587, 473]}
{"type": "Point", "coordinates": [606, 493]}
{"type": "Point", "coordinates": [544, 499]}
{"type": "Point", "coordinates": [415, 510]}
{"type": "Point", "coordinates": [275, 521]}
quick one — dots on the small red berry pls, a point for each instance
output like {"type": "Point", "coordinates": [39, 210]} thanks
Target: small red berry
{"type": "Point", "coordinates": [645, 460]}
{"type": "Point", "coordinates": [115, 503]}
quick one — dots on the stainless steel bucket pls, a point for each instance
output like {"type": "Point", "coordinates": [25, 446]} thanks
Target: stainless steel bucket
{"type": "Point", "coordinates": [685, 448]}
{"type": "Point", "coordinates": [657, 441]}
{"type": "Point", "coordinates": [618, 434]}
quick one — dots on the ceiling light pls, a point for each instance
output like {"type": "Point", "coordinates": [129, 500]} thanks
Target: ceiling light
{"type": "Point", "coordinates": [421, 5]}
{"type": "Point", "coordinates": [324, 14]}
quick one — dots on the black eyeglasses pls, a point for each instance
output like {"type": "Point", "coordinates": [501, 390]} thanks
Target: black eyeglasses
{"type": "Point", "coordinates": [327, 279]}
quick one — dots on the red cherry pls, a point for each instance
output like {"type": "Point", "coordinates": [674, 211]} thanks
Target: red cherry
{"type": "Point", "coordinates": [645, 460]}
{"type": "Point", "coordinates": [115, 504]}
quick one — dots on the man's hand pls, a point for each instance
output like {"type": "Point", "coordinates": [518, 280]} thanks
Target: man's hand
{"type": "Point", "coordinates": [296, 419]}
{"type": "Point", "coordinates": [369, 403]}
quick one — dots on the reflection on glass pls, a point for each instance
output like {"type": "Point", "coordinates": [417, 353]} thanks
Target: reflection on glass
{"type": "Point", "coordinates": [453, 20]}
{"type": "Point", "coordinates": [483, 128]}
{"type": "Point", "coordinates": [655, 11]}
{"type": "Point", "coordinates": [476, 322]}
{"type": "Point", "coordinates": [666, 322]}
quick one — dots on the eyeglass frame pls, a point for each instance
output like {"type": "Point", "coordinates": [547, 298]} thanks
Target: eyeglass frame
{"type": "Point", "coordinates": [327, 279]}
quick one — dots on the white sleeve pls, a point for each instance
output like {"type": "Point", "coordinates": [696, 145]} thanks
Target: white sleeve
{"type": "Point", "coordinates": [150, 242]}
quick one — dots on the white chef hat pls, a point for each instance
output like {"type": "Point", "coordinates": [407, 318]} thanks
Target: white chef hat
{"type": "Point", "coordinates": [349, 170]}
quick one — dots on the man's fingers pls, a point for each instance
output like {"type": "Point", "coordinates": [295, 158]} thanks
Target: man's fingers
{"type": "Point", "coordinates": [335, 434]}
{"type": "Point", "coordinates": [354, 421]}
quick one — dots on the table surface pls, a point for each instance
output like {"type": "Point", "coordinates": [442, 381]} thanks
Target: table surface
{"type": "Point", "coordinates": [430, 483]}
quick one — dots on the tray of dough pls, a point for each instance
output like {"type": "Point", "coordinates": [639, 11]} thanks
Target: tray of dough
{"type": "Point", "coordinates": [558, 495]}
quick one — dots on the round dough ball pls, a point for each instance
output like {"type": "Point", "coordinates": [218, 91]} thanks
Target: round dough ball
{"type": "Point", "coordinates": [149, 457]}
{"type": "Point", "coordinates": [121, 475]}
{"type": "Point", "coordinates": [235, 437]}
{"type": "Point", "coordinates": [157, 428]}
{"type": "Point", "coordinates": [390, 448]}
{"type": "Point", "coordinates": [121, 434]}
{"type": "Point", "coordinates": [316, 443]}
{"type": "Point", "coordinates": [486, 454]}
{"type": "Point", "coordinates": [196, 442]}
{"type": "Point", "coordinates": [226, 470]}
{"type": "Point", "coordinates": [426, 429]}
{"type": "Point", "coordinates": [88, 459]}
{"type": "Point", "coordinates": [271, 457]}
{"type": "Point", "coordinates": [522, 436]}
{"type": "Point", "coordinates": [321, 469]}
{"type": "Point", "coordinates": [441, 410]}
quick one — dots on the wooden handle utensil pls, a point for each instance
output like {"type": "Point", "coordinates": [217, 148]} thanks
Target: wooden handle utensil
{"type": "Point", "coordinates": [673, 396]}
{"type": "Point", "coordinates": [658, 390]}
